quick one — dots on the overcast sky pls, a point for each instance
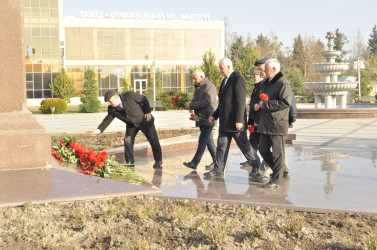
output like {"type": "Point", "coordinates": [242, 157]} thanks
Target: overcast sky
{"type": "Point", "coordinates": [286, 18]}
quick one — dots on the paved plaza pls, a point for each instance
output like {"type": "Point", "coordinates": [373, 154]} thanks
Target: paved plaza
{"type": "Point", "coordinates": [332, 164]}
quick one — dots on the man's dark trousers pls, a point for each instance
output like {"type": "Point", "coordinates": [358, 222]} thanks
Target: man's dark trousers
{"type": "Point", "coordinates": [223, 145]}
{"type": "Point", "coordinates": [150, 133]}
{"type": "Point", "coordinates": [272, 149]}
{"type": "Point", "coordinates": [205, 139]}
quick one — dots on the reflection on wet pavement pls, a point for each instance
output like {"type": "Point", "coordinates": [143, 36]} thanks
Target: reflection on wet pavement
{"type": "Point", "coordinates": [319, 181]}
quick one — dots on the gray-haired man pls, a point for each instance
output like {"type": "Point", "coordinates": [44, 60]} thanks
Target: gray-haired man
{"type": "Point", "coordinates": [204, 104]}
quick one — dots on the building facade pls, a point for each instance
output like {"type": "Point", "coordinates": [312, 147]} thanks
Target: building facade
{"type": "Point", "coordinates": [124, 50]}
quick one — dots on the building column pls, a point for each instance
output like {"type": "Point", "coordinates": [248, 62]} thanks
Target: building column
{"type": "Point", "coordinates": [24, 142]}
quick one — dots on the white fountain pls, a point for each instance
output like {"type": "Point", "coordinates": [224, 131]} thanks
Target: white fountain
{"type": "Point", "coordinates": [330, 88]}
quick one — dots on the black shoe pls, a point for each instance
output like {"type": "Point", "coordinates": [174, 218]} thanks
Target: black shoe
{"type": "Point", "coordinates": [210, 166]}
{"type": "Point", "coordinates": [242, 163]}
{"type": "Point", "coordinates": [270, 184]}
{"type": "Point", "coordinates": [190, 165]}
{"type": "Point", "coordinates": [259, 178]}
{"type": "Point", "coordinates": [213, 173]}
{"type": "Point", "coordinates": [157, 164]}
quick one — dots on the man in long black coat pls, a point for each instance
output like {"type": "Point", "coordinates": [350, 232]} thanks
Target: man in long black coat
{"type": "Point", "coordinates": [232, 113]}
{"type": "Point", "coordinates": [134, 110]}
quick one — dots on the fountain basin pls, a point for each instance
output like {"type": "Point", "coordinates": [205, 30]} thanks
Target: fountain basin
{"type": "Point", "coordinates": [330, 88]}
{"type": "Point", "coordinates": [332, 68]}
{"type": "Point", "coordinates": [331, 53]}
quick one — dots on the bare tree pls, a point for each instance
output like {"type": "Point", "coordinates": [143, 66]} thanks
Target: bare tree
{"type": "Point", "coordinates": [358, 46]}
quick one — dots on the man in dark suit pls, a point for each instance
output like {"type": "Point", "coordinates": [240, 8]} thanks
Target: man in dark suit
{"type": "Point", "coordinates": [232, 113]}
{"type": "Point", "coordinates": [134, 110]}
{"type": "Point", "coordinates": [274, 120]}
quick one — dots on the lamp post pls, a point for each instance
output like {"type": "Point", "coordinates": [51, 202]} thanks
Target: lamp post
{"type": "Point", "coordinates": [118, 71]}
{"type": "Point", "coordinates": [359, 64]}
{"type": "Point", "coordinates": [154, 66]}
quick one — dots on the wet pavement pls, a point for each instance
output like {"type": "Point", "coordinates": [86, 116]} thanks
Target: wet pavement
{"type": "Point", "coordinates": [332, 168]}
{"type": "Point", "coordinates": [319, 181]}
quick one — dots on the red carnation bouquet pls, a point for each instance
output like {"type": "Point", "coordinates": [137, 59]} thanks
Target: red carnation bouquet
{"type": "Point", "coordinates": [91, 162]}
{"type": "Point", "coordinates": [178, 102]}
{"type": "Point", "coordinates": [251, 129]}
{"type": "Point", "coordinates": [264, 97]}
{"type": "Point", "coordinates": [195, 117]}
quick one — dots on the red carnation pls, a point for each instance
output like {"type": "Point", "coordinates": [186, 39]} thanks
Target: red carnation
{"type": "Point", "coordinates": [264, 97]}
{"type": "Point", "coordinates": [174, 104]}
{"type": "Point", "coordinates": [251, 129]}
{"type": "Point", "coordinates": [173, 99]}
{"type": "Point", "coordinates": [177, 98]}
{"type": "Point", "coordinates": [191, 118]}
{"type": "Point", "coordinates": [192, 115]}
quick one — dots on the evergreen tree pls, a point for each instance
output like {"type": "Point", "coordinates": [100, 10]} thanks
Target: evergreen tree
{"type": "Point", "coordinates": [63, 87]}
{"type": "Point", "coordinates": [339, 42]}
{"type": "Point", "coordinates": [298, 54]}
{"type": "Point", "coordinates": [372, 42]}
{"type": "Point", "coordinates": [126, 87]}
{"type": "Point", "coordinates": [296, 79]}
{"type": "Point", "coordinates": [366, 87]}
{"type": "Point", "coordinates": [211, 69]}
{"type": "Point", "coordinates": [89, 99]}
{"type": "Point", "coordinates": [246, 64]}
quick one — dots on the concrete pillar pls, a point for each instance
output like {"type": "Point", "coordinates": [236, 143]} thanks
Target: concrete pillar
{"type": "Point", "coordinates": [334, 101]}
{"type": "Point", "coordinates": [23, 141]}
{"type": "Point", "coordinates": [343, 101]}
{"type": "Point", "coordinates": [328, 101]}
{"type": "Point", "coordinates": [318, 101]}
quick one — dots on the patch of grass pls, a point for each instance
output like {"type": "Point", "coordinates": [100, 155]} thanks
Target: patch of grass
{"type": "Point", "coordinates": [293, 226]}
{"type": "Point", "coordinates": [113, 211]}
{"type": "Point", "coordinates": [145, 212]}
{"type": "Point", "coordinates": [216, 232]}
{"type": "Point", "coordinates": [371, 243]}
{"type": "Point", "coordinates": [76, 217]}
{"type": "Point", "coordinates": [183, 214]}
{"type": "Point", "coordinates": [259, 231]}
{"type": "Point", "coordinates": [244, 212]}
{"type": "Point", "coordinates": [139, 245]}
{"type": "Point", "coordinates": [198, 224]}
{"type": "Point", "coordinates": [197, 209]}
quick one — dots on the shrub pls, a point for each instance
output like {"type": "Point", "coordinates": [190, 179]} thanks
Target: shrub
{"type": "Point", "coordinates": [63, 87]}
{"type": "Point", "coordinates": [59, 104]}
{"type": "Point", "coordinates": [89, 98]}
{"type": "Point", "coordinates": [167, 102]}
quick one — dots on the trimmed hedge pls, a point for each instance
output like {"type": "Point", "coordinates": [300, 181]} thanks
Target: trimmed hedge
{"type": "Point", "coordinates": [59, 104]}
{"type": "Point", "coordinates": [167, 102]}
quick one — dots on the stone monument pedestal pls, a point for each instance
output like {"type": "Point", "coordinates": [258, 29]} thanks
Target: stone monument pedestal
{"type": "Point", "coordinates": [24, 143]}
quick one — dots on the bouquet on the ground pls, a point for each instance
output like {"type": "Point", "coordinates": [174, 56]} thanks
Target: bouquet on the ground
{"type": "Point", "coordinates": [251, 129]}
{"type": "Point", "coordinates": [195, 117]}
{"type": "Point", "coordinates": [264, 97]}
{"type": "Point", "coordinates": [178, 102]}
{"type": "Point", "coordinates": [91, 162]}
